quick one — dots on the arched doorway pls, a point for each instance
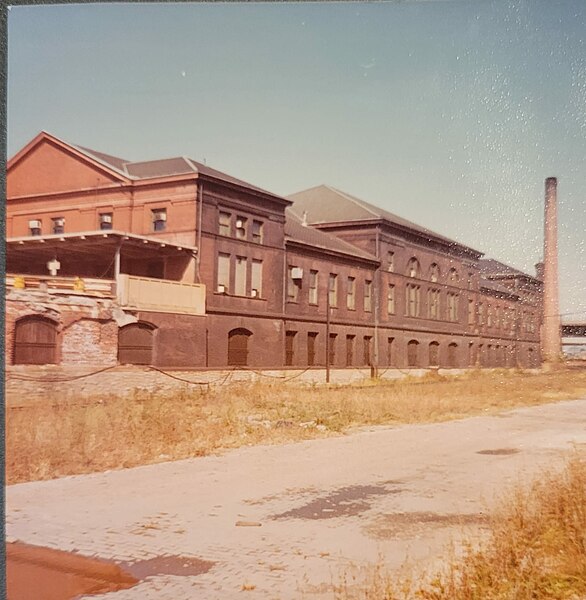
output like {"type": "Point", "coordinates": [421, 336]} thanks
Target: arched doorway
{"type": "Point", "coordinates": [135, 344]}
{"type": "Point", "coordinates": [413, 353]}
{"type": "Point", "coordinates": [238, 347]}
{"type": "Point", "coordinates": [35, 341]}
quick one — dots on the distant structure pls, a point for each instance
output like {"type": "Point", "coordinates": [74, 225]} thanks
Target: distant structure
{"type": "Point", "coordinates": [551, 333]}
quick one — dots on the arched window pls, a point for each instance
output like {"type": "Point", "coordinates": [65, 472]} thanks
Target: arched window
{"type": "Point", "coordinates": [413, 268]}
{"type": "Point", "coordinates": [434, 354]}
{"type": "Point", "coordinates": [434, 273]}
{"type": "Point", "coordinates": [238, 347]}
{"type": "Point", "coordinates": [453, 276]}
{"type": "Point", "coordinates": [453, 355]}
{"type": "Point", "coordinates": [135, 344]}
{"type": "Point", "coordinates": [413, 353]}
{"type": "Point", "coordinates": [35, 341]}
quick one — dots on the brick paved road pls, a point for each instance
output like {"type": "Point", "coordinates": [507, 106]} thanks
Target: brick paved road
{"type": "Point", "coordinates": [322, 504]}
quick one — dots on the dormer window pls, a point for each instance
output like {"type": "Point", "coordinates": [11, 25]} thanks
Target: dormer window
{"type": "Point", "coordinates": [105, 220]}
{"type": "Point", "coordinates": [34, 226]}
{"type": "Point", "coordinates": [58, 225]}
{"type": "Point", "coordinates": [159, 219]}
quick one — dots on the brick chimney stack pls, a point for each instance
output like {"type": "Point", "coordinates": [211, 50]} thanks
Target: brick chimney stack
{"type": "Point", "coordinates": [550, 334]}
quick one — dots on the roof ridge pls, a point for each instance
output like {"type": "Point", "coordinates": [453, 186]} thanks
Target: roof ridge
{"type": "Point", "coordinates": [355, 200]}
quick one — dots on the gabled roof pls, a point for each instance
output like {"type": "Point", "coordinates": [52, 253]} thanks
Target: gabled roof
{"type": "Point", "coordinates": [295, 231]}
{"type": "Point", "coordinates": [493, 269]}
{"type": "Point", "coordinates": [325, 204]}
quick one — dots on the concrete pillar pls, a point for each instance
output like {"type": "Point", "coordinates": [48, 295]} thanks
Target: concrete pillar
{"type": "Point", "coordinates": [551, 342]}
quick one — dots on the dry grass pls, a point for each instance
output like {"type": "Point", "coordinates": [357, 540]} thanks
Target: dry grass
{"type": "Point", "coordinates": [536, 550]}
{"type": "Point", "coordinates": [50, 438]}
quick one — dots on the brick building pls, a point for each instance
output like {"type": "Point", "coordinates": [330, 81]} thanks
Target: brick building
{"type": "Point", "coordinates": [175, 264]}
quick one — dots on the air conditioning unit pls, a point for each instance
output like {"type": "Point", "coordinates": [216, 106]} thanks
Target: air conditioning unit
{"type": "Point", "coordinates": [160, 215]}
{"type": "Point", "coordinates": [296, 273]}
{"type": "Point", "coordinates": [59, 222]}
{"type": "Point", "coordinates": [239, 224]}
{"type": "Point", "coordinates": [221, 288]}
{"type": "Point", "coordinates": [34, 224]}
{"type": "Point", "coordinates": [105, 218]}
{"type": "Point", "coordinates": [254, 293]}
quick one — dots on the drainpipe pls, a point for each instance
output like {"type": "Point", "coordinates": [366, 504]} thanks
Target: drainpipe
{"type": "Point", "coordinates": [328, 332]}
{"type": "Point", "coordinates": [199, 194]}
{"type": "Point", "coordinates": [376, 292]}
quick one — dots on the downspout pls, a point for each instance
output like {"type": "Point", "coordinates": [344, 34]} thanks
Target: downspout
{"type": "Point", "coordinates": [199, 194]}
{"type": "Point", "coordinates": [376, 292]}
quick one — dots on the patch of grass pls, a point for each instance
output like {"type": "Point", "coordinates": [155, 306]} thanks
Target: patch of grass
{"type": "Point", "coordinates": [535, 550]}
{"type": "Point", "coordinates": [50, 437]}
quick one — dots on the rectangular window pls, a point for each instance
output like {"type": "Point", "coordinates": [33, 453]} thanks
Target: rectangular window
{"type": "Point", "coordinates": [350, 350]}
{"type": "Point", "coordinates": [223, 273]}
{"type": "Point", "coordinates": [256, 279]}
{"type": "Point", "coordinates": [289, 347]}
{"type": "Point", "coordinates": [489, 316]}
{"type": "Point", "coordinates": [240, 276]}
{"type": "Point", "coordinates": [224, 223]}
{"type": "Point", "coordinates": [105, 220]}
{"type": "Point", "coordinates": [390, 262]}
{"type": "Point", "coordinates": [367, 345]}
{"type": "Point", "coordinates": [413, 300]}
{"type": "Point", "coordinates": [452, 308]}
{"type": "Point", "coordinates": [333, 290]}
{"type": "Point", "coordinates": [311, 346]}
{"type": "Point", "coordinates": [470, 312]}
{"type": "Point", "coordinates": [241, 223]}
{"type": "Point", "coordinates": [351, 293]}
{"type": "Point", "coordinates": [257, 232]}
{"type": "Point", "coordinates": [433, 304]}
{"type": "Point", "coordinates": [391, 299]}
{"type": "Point", "coordinates": [367, 295]}
{"type": "Point", "coordinates": [480, 313]}
{"type": "Point", "coordinates": [58, 225]}
{"type": "Point", "coordinates": [292, 285]}
{"type": "Point", "coordinates": [159, 218]}
{"type": "Point", "coordinates": [390, 355]}
{"type": "Point", "coordinates": [313, 287]}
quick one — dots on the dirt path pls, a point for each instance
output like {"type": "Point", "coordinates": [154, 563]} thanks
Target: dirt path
{"type": "Point", "coordinates": [284, 522]}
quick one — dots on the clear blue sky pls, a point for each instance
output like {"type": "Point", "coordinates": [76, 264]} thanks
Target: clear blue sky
{"type": "Point", "coordinates": [450, 113]}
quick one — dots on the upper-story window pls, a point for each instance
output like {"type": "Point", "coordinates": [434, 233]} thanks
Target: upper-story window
{"type": "Point", "coordinates": [105, 220]}
{"type": "Point", "coordinates": [223, 273]}
{"type": "Point", "coordinates": [256, 279]}
{"type": "Point", "coordinates": [351, 293]}
{"type": "Point", "coordinates": [294, 278]}
{"type": "Point", "coordinates": [34, 226]}
{"type": "Point", "coordinates": [333, 290]}
{"type": "Point", "coordinates": [257, 231]}
{"type": "Point", "coordinates": [452, 307]}
{"type": "Point", "coordinates": [413, 268]}
{"type": "Point", "coordinates": [412, 300]}
{"type": "Point", "coordinates": [434, 273]}
{"type": "Point", "coordinates": [241, 227]}
{"type": "Point", "coordinates": [391, 299]}
{"type": "Point", "coordinates": [159, 217]}
{"type": "Point", "coordinates": [58, 224]}
{"type": "Point", "coordinates": [453, 276]}
{"type": "Point", "coordinates": [313, 287]}
{"type": "Point", "coordinates": [224, 222]}
{"type": "Point", "coordinates": [368, 296]}
{"type": "Point", "coordinates": [390, 262]}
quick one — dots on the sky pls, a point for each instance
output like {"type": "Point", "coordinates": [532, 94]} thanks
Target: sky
{"type": "Point", "coordinates": [450, 113]}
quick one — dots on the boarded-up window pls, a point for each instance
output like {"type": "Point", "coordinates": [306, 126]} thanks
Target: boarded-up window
{"type": "Point", "coordinates": [238, 347]}
{"type": "Point", "coordinates": [256, 279]}
{"type": "Point", "coordinates": [290, 347]}
{"type": "Point", "coordinates": [434, 354]}
{"type": "Point", "coordinates": [311, 343]}
{"type": "Point", "coordinates": [135, 344]}
{"type": "Point", "coordinates": [367, 346]}
{"type": "Point", "coordinates": [223, 273]}
{"type": "Point", "coordinates": [453, 355]}
{"type": "Point", "coordinates": [412, 353]}
{"type": "Point", "coordinates": [240, 276]}
{"type": "Point", "coordinates": [390, 351]}
{"type": "Point", "coordinates": [35, 341]}
{"type": "Point", "coordinates": [349, 350]}
{"type": "Point", "coordinates": [332, 349]}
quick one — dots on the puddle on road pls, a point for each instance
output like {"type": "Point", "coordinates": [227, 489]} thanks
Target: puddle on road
{"type": "Point", "coordinates": [40, 572]}
{"type": "Point", "coordinates": [499, 451]}
{"type": "Point", "coordinates": [344, 502]}
{"type": "Point", "coordinates": [396, 524]}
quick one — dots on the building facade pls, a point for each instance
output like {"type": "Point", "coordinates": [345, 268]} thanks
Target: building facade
{"type": "Point", "coordinates": [174, 264]}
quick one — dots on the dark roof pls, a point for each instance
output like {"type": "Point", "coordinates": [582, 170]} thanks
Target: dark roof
{"type": "Point", "coordinates": [305, 234]}
{"type": "Point", "coordinates": [489, 267]}
{"type": "Point", "coordinates": [488, 284]}
{"type": "Point", "coordinates": [166, 167]}
{"type": "Point", "coordinates": [325, 204]}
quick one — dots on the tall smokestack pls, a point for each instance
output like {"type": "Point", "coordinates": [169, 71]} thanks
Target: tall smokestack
{"type": "Point", "coordinates": [551, 336]}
